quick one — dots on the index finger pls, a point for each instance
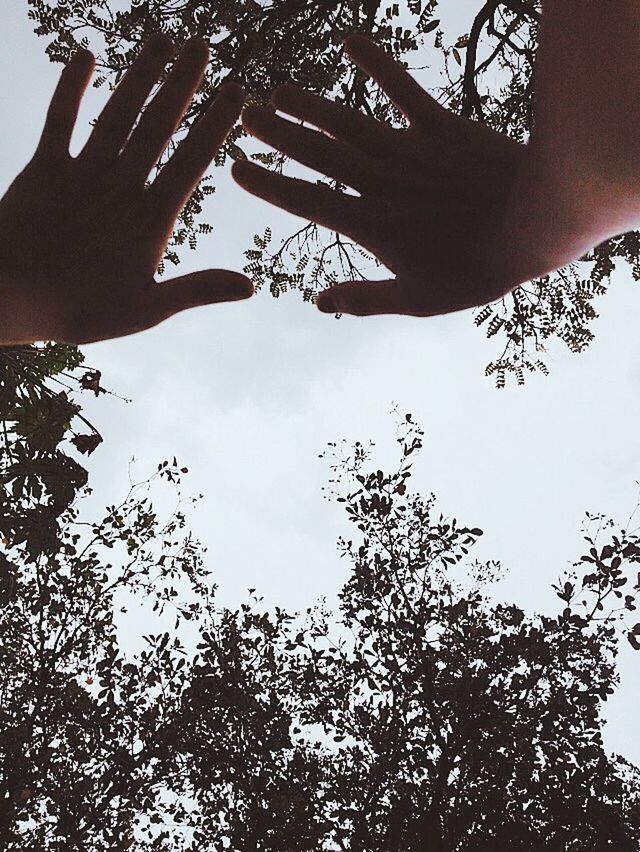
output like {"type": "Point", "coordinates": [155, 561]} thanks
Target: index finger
{"type": "Point", "coordinates": [342, 122]}
{"type": "Point", "coordinates": [181, 174]}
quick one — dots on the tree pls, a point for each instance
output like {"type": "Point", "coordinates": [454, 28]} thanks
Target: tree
{"type": "Point", "coordinates": [38, 413]}
{"type": "Point", "coordinates": [422, 715]}
{"type": "Point", "coordinates": [82, 729]}
{"type": "Point", "coordinates": [262, 45]}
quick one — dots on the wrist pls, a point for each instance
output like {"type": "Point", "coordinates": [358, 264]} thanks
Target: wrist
{"type": "Point", "coordinates": [20, 319]}
{"type": "Point", "coordinates": [549, 222]}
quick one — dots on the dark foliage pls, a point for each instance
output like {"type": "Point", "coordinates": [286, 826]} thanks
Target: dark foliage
{"type": "Point", "coordinates": [39, 479]}
{"type": "Point", "coordinates": [424, 715]}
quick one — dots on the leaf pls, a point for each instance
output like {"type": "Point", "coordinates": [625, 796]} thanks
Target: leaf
{"type": "Point", "coordinates": [494, 326]}
{"type": "Point", "coordinates": [86, 444]}
{"type": "Point", "coordinates": [91, 381]}
{"type": "Point", "coordinates": [633, 641]}
{"type": "Point", "coordinates": [482, 315]}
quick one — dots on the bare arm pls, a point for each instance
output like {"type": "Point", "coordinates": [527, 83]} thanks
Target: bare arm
{"type": "Point", "coordinates": [460, 214]}
{"type": "Point", "coordinates": [580, 182]}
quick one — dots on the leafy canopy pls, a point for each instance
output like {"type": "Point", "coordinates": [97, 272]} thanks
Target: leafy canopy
{"type": "Point", "coordinates": [422, 712]}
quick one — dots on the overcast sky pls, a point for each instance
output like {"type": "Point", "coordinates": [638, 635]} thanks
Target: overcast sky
{"type": "Point", "coordinates": [247, 395]}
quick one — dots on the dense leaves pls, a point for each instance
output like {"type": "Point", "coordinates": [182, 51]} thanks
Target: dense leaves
{"type": "Point", "coordinates": [488, 74]}
{"type": "Point", "coordinates": [39, 411]}
{"type": "Point", "coordinates": [82, 729]}
{"type": "Point", "coordinates": [138, 714]}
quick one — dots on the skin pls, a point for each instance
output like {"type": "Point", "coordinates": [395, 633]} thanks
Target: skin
{"type": "Point", "coordinates": [81, 237]}
{"type": "Point", "coordinates": [459, 213]}
{"type": "Point", "coordinates": [581, 181]}
{"type": "Point", "coordinates": [426, 216]}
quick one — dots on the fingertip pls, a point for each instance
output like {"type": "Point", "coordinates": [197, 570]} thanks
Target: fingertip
{"type": "Point", "coordinates": [354, 42]}
{"type": "Point", "coordinates": [244, 289]}
{"type": "Point", "coordinates": [85, 54]}
{"type": "Point", "coordinates": [326, 304]}
{"type": "Point", "coordinates": [243, 170]}
{"type": "Point", "coordinates": [196, 49]}
{"type": "Point", "coordinates": [254, 117]}
{"type": "Point", "coordinates": [228, 102]}
{"type": "Point", "coordinates": [249, 112]}
{"type": "Point", "coordinates": [223, 285]}
{"type": "Point", "coordinates": [236, 171]}
{"type": "Point", "coordinates": [83, 58]}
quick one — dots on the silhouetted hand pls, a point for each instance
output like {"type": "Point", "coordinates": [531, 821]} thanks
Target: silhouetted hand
{"type": "Point", "coordinates": [81, 238]}
{"type": "Point", "coordinates": [431, 197]}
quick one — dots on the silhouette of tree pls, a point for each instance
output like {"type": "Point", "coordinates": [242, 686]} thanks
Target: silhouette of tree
{"type": "Point", "coordinates": [488, 72]}
{"type": "Point", "coordinates": [81, 739]}
{"type": "Point", "coordinates": [39, 418]}
{"type": "Point", "coordinates": [422, 715]}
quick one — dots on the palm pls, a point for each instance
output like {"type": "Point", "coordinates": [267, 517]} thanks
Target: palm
{"type": "Point", "coordinates": [81, 238]}
{"type": "Point", "coordinates": [431, 197]}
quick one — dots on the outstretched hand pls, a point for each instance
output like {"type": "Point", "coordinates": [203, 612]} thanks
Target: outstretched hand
{"type": "Point", "coordinates": [81, 237]}
{"type": "Point", "coordinates": [432, 197]}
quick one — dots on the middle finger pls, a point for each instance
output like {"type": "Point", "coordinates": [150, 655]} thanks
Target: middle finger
{"type": "Point", "coordinates": [119, 115]}
{"type": "Point", "coordinates": [163, 115]}
{"type": "Point", "coordinates": [313, 149]}
{"type": "Point", "coordinates": [342, 122]}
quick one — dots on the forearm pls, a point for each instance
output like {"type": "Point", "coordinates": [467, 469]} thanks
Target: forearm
{"type": "Point", "coordinates": [587, 90]}
{"type": "Point", "coordinates": [580, 181]}
{"type": "Point", "coordinates": [543, 228]}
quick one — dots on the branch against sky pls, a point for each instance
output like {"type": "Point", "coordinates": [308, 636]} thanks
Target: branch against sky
{"type": "Point", "coordinates": [488, 77]}
{"type": "Point", "coordinates": [420, 710]}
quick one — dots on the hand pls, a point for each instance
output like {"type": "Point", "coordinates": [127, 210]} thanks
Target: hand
{"type": "Point", "coordinates": [432, 196]}
{"type": "Point", "coordinates": [81, 238]}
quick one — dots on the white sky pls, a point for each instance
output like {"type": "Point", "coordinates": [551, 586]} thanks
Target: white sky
{"type": "Point", "coordinates": [247, 395]}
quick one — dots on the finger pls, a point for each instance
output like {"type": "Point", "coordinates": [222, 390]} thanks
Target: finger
{"type": "Point", "coordinates": [363, 298]}
{"type": "Point", "coordinates": [320, 204]}
{"type": "Point", "coordinates": [199, 288]}
{"type": "Point", "coordinates": [338, 120]}
{"type": "Point", "coordinates": [65, 103]}
{"type": "Point", "coordinates": [164, 114]}
{"type": "Point", "coordinates": [119, 115]}
{"type": "Point", "coordinates": [407, 95]}
{"type": "Point", "coordinates": [314, 150]}
{"type": "Point", "coordinates": [181, 174]}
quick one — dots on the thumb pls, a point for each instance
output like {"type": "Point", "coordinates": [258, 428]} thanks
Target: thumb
{"type": "Point", "coordinates": [362, 298]}
{"type": "Point", "coordinates": [201, 288]}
